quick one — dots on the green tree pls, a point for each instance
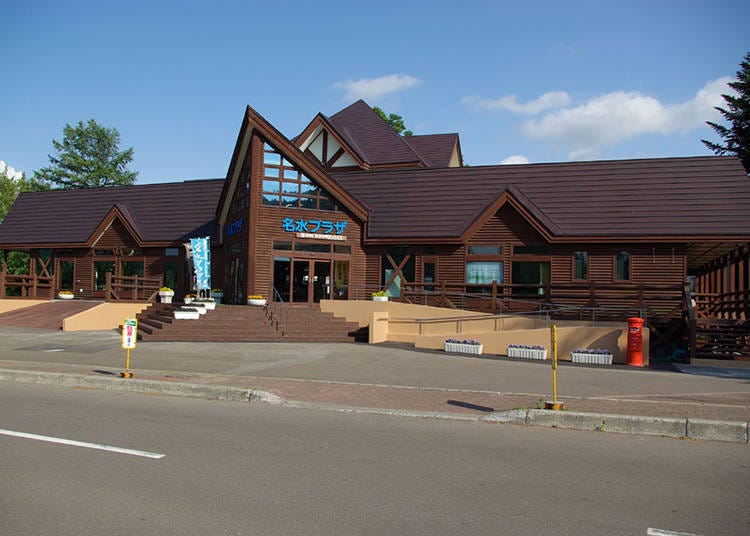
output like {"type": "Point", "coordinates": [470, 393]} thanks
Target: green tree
{"type": "Point", "coordinates": [87, 157]}
{"type": "Point", "coordinates": [17, 261]}
{"type": "Point", "coordinates": [396, 122]}
{"type": "Point", "coordinates": [735, 136]}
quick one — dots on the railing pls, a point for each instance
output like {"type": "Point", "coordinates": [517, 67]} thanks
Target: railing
{"type": "Point", "coordinates": [25, 286]}
{"type": "Point", "coordinates": [728, 305]}
{"type": "Point", "coordinates": [131, 288]}
{"type": "Point", "coordinates": [664, 301]}
{"type": "Point", "coordinates": [587, 315]}
{"type": "Point", "coordinates": [277, 312]}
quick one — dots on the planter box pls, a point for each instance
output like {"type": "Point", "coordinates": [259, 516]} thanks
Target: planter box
{"type": "Point", "coordinates": [527, 353]}
{"type": "Point", "coordinates": [217, 296]}
{"type": "Point", "coordinates": [380, 298]}
{"type": "Point", "coordinates": [187, 314]}
{"type": "Point", "coordinates": [166, 297]}
{"type": "Point", "coordinates": [65, 296]}
{"type": "Point", "coordinates": [208, 305]}
{"type": "Point", "coordinates": [591, 359]}
{"type": "Point", "coordinates": [456, 347]}
{"type": "Point", "coordinates": [188, 300]}
{"type": "Point", "coordinates": [256, 302]}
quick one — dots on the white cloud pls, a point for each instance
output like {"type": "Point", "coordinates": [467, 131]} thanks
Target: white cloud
{"type": "Point", "coordinates": [609, 119]}
{"type": "Point", "coordinates": [515, 159]}
{"type": "Point", "coordinates": [548, 101]}
{"type": "Point", "coordinates": [375, 88]}
{"type": "Point", "coordinates": [9, 171]}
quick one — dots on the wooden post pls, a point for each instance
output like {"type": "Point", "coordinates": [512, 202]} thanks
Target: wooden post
{"type": "Point", "coordinates": [107, 286]}
{"type": "Point", "coordinates": [494, 295]}
{"type": "Point", "coordinates": [3, 272]}
{"type": "Point", "coordinates": [134, 296]}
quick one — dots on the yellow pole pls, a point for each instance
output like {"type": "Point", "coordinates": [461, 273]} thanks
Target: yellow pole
{"type": "Point", "coordinates": [127, 361]}
{"type": "Point", "coordinates": [554, 404]}
{"type": "Point", "coordinates": [554, 363]}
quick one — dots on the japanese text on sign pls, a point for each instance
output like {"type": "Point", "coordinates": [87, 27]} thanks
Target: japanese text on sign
{"type": "Point", "coordinates": [291, 225]}
{"type": "Point", "coordinates": [129, 333]}
{"type": "Point", "coordinates": [201, 262]}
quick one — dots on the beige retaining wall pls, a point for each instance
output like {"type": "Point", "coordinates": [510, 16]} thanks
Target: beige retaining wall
{"type": "Point", "coordinates": [102, 317]}
{"type": "Point", "coordinates": [11, 305]}
{"type": "Point", "coordinates": [394, 322]}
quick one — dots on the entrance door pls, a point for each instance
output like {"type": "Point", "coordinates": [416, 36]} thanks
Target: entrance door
{"type": "Point", "coordinates": [311, 281]}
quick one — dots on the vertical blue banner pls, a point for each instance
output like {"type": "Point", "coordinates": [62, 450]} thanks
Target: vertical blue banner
{"type": "Point", "coordinates": [201, 262]}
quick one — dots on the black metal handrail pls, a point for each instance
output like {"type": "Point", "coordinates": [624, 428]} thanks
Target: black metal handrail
{"type": "Point", "coordinates": [277, 311]}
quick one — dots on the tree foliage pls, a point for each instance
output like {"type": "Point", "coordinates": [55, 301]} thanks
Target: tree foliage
{"type": "Point", "coordinates": [88, 157]}
{"type": "Point", "coordinates": [736, 135]}
{"type": "Point", "coordinates": [396, 122]}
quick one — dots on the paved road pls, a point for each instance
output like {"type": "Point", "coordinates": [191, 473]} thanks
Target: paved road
{"type": "Point", "coordinates": [231, 468]}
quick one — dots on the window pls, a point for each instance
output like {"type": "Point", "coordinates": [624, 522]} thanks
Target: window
{"type": "Point", "coordinates": [483, 273]}
{"type": "Point", "coordinates": [100, 273]}
{"type": "Point", "coordinates": [581, 265]}
{"type": "Point", "coordinates": [623, 266]}
{"type": "Point", "coordinates": [485, 250]}
{"type": "Point", "coordinates": [531, 250]}
{"type": "Point", "coordinates": [131, 268]}
{"type": "Point", "coordinates": [285, 186]}
{"type": "Point", "coordinates": [172, 252]}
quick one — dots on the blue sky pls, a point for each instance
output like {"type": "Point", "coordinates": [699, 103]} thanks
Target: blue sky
{"type": "Point", "coordinates": [527, 81]}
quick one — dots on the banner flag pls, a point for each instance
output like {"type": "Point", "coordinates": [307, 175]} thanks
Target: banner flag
{"type": "Point", "coordinates": [201, 262]}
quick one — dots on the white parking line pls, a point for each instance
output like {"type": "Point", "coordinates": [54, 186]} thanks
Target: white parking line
{"type": "Point", "coordinates": [662, 532]}
{"type": "Point", "coordinates": [61, 441]}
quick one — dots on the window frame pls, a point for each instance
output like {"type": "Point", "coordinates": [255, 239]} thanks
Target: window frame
{"type": "Point", "coordinates": [574, 271]}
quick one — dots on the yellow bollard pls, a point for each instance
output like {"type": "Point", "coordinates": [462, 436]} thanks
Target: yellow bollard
{"type": "Point", "coordinates": [554, 404]}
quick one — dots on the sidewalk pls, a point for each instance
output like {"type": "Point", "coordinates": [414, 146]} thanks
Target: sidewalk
{"type": "Point", "coordinates": [387, 378]}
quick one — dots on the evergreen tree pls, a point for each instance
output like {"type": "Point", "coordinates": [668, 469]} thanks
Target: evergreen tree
{"type": "Point", "coordinates": [88, 157]}
{"type": "Point", "coordinates": [735, 136]}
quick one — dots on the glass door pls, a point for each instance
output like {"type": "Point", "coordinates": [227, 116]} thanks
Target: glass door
{"type": "Point", "coordinates": [311, 280]}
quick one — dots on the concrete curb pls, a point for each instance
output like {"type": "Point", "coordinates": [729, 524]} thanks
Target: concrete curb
{"type": "Point", "coordinates": [730, 431]}
{"type": "Point", "coordinates": [208, 392]}
{"type": "Point", "coordinates": [710, 430]}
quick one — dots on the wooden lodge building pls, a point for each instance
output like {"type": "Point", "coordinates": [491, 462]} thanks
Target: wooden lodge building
{"type": "Point", "coordinates": [348, 207]}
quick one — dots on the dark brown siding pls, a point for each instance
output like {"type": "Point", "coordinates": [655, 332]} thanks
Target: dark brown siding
{"type": "Point", "coordinates": [116, 236]}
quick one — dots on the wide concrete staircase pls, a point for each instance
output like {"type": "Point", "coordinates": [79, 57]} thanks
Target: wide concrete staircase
{"type": "Point", "coordinates": [238, 323]}
{"type": "Point", "coordinates": [45, 315]}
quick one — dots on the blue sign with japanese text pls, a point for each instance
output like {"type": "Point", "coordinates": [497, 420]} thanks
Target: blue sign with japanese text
{"type": "Point", "coordinates": [313, 226]}
{"type": "Point", "coordinates": [201, 262]}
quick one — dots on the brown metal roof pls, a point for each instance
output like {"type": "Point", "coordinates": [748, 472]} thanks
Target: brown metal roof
{"type": "Point", "coordinates": [695, 196]}
{"type": "Point", "coordinates": [157, 212]}
{"type": "Point", "coordinates": [434, 150]}
{"type": "Point", "coordinates": [372, 138]}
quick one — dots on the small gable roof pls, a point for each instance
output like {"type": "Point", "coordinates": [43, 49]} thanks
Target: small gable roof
{"type": "Point", "coordinates": [371, 137]}
{"type": "Point", "coordinates": [157, 213]}
{"type": "Point", "coordinates": [434, 150]}
{"type": "Point", "coordinates": [668, 197]}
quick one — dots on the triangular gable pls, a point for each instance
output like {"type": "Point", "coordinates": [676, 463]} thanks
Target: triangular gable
{"type": "Point", "coordinates": [253, 122]}
{"type": "Point", "coordinates": [324, 142]}
{"type": "Point", "coordinates": [116, 213]}
{"type": "Point", "coordinates": [513, 197]}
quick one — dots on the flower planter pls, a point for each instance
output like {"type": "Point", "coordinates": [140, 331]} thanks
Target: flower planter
{"type": "Point", "coordinates": [527, 353]}
{"type": "Point", "coordinates": [65, 296]}
{"type": "Point", "coordinates": [461, 348]}
{"type": "Point", "coordinates": [199, 307]}
{"type": "Point", "coordinates": [188, 300]}
{"type": "Point", "coordinates": [380, 298]}
{"type": "Point", "coordinates": [591, 359]}
{"type": "Point", "coordinates": [187, 313]}
{"type": "Point", "coordinates": [166, 297]}
{"type": "Point", "coordinates": [217, 296]}
{"type": "Point", "coordinates": [256, 302]}
{"type": "Point", "coordinates": [208, 305]}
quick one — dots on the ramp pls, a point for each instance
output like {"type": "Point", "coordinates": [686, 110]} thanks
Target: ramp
{"type": "Point", "coordinates": [48, 315]}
